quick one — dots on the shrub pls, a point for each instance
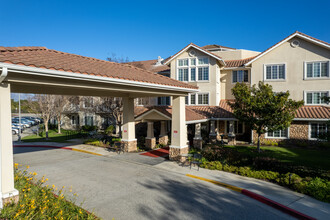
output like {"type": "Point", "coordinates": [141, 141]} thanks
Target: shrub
{"type": "Point", "coordinates": [89, 128]}
{"type": "Point", "coordinates": [94, 142]}
{"type": "Point", "coordinates": [316, 187]}
{"type": "Point", "coordinates": [270, 143]}
{"type": "Point", "coordinates": [109, 130]}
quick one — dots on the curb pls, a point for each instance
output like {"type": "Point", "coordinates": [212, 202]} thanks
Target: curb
{"type": "Point", "coordinates": [258, 197]}
{"type": "Point", "coordinates": [64, 148]}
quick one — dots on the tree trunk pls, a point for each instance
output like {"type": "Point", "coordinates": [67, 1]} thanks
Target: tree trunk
{"type": "Point", "coordinates": [120, 133]}
{"type": "Point", "coordinates": [46, 128]}
{"type": "Point", "coordinates": [258, 145]}
{"type": "Point", "coordinates": [59, 124]}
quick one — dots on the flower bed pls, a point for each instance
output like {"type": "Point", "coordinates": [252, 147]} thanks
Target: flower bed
{"type": "Point", "coordinates": [41, 202]}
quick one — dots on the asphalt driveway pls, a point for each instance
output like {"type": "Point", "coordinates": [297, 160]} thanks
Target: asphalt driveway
{"type": "Point", "coordinates": [121, 187]}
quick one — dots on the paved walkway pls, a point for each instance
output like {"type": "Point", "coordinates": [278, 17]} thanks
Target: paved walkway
{"type": "Point", "coordinates": [297, 201]}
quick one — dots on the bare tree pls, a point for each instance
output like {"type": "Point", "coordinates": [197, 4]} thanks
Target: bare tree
{"type": "Point", "coordinates": [60, 102]}
{"type": "Point", "coordinates": [43, 105]}
{"type": "Point", "coordinates": [116, 59]}
{"type": "Point", "coordinates": [114, 108]}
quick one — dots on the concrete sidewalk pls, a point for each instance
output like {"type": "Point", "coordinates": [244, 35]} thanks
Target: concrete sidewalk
{"type": "Point", "coordinates": [284, 196]}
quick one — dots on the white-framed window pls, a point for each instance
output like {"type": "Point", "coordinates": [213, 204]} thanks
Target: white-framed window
{"type": "Point", "coordinates": [278, 134]}
{"type": "Point", "coordinates": [197, 99]}
{"type": "Point", "coordinates": [193, 69]}
{"type": "Point", "coordinates": [164, 100]}
{"type": "Point", "coordinates": [274, 72]}
{"type": "Point", "coordinates": [317, 129]}
{"type": "Point", "coordinates": [318, 69]}
{"type": "Point", "coordinates": [203, 98]}
{"type": "Point", "coordinates": [315, 97]}
{"type": "Point", "coordinates": [240, 76]}
{"type": "Point", "coordinates": [238, 127]}
{"type": "Point", "coordinates": [89, 120]}
{"type": "Point", "coordinates": [192, 99]}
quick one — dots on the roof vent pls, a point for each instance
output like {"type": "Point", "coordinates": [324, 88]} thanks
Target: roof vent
{"type": "Point", "coordinates": [295, 43]}
{"type": "Point", "coordinates": [159, 61]}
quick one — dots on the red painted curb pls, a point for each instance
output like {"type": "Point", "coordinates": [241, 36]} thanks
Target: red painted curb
{"type": "Point", "coordinates": [44, 146]}
{"type": "Point", "coordinates": [276, 205]}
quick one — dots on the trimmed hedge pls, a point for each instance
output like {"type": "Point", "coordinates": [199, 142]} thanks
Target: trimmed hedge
{"type": "Point", "coordinates": [315, 187]}
{"type": "Point", "coordinates": [306, 180]}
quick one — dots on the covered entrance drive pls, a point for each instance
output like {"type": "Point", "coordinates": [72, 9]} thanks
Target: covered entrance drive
{"type": "Point", "coordinates": [43, 71]}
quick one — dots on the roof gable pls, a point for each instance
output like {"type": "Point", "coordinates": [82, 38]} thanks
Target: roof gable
{"type": "Point", "coordinates": [296, 34]}
{"type": "Point", "coordinates": [191, 45]}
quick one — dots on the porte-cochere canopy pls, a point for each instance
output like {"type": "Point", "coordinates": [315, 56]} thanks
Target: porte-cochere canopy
{"type": "Point", "coordinates": [44, 71]}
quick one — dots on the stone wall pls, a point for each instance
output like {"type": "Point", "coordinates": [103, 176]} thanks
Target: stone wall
{"type": "Point", "coordinates": [163, 140]}
{"type": "Point", "coordinates": [150, 143]}
{"type": "Point", "coordinates": [130, 146]}
{"type": "Point", "coordinates": [298, 133]}
{"type": "Point", "coordinates": [176, 152]}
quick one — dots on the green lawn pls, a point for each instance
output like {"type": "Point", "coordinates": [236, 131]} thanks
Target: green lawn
{"type": "Point", "coordinates": [316, 158]}
{"type": "Point", "coordinates": [53, 137]}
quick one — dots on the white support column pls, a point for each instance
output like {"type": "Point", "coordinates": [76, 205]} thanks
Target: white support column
{"type": "Point", "coordinates": [198, 141]}
{"type": "Point", "coordinates": [163, 128]}
{"type": "Point", "coordinates": [198, 132]}
{"type": "Point", "coordinates": [212, 128]}
{"type": "Point", "coordinates": [163, 138]}
{"type": "Point", "coordinates": [150, 130]}
{"type": "Point", "coordinates": [7, 190]}
{"type": "Point", "coordinates": [231, 134]}
{"type": "Point", "coordinates": [128, 131]}
{"type": "Point", "coordinates": [213, 135]}
{"type": "Point", "coordinates": [179, 131]}
{"type": "Point", "coordinates": [150, 139]}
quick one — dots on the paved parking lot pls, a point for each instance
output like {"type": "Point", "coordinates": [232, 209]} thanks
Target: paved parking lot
{"type": "Point", "coordinates": [121, 187]}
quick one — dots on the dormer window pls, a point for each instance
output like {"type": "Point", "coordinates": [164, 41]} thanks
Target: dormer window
{"type": "Point", "coordinates": [193, 69]}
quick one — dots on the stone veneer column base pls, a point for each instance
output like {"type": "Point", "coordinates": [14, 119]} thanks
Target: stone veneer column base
{"type": "Point", "coordinates": [129, 146]}
{"type": "Point", "coordinates": [163, 140]}
{"type": "Point", "coordinates": [231, 140]}
{"type": "Point", "coordinates": [12, 197]}
{"type": "Point", "coordinates": [175, 153]}
{"type": "Point", "coordinates": [198, 143]}
{"type": "Point", "coordinates": [150, 143]}
{"type": "Point", "coordinates": [213, 138]}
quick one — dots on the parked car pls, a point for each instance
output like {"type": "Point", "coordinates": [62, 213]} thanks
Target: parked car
{"type": "Point", "coordinates": [23, 122]}
{"type": "Point", "coordinates": [14, 131]}
{"type": "Point", "coordinates": [17, 126]}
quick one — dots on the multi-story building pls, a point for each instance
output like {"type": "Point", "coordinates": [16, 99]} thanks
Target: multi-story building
{"type": "Point", "coordinates": [298, 63]}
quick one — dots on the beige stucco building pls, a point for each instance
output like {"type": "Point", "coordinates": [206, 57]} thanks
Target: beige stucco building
{"type": "Point", "coordinates": [299, 64]}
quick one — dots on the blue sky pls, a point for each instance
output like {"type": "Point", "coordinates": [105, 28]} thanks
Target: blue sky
{"type": "Point", "coordinates": [142, 30]}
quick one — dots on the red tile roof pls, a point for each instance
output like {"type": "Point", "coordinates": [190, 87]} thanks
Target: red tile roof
{"type": "Point", "coordinates": [224, 111]}
{"type": "Point", "coordinates": [238, 63]}
{"type": "Point", "coordinates": [213, 46]}
{"type": "Point", "coordinates": [150, 66]}
{"type": "Point", "coordinates": [313, 112]}
{"type": "Point", "coordinates": [42, 57]}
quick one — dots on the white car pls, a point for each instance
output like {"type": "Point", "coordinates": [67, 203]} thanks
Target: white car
{"type": "Point", "coordinates": [14, 131]}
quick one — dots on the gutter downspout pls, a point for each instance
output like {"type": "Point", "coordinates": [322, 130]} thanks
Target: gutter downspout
{"type": "Point", "coordinates": [3, 75]}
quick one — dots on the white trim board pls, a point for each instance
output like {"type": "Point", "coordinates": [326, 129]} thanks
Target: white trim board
{"type": "Point", "coordinates": [197, 48]}
{"type": "Point", "coordinates": [297, 34]}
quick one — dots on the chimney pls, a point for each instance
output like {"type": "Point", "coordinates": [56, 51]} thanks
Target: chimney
{"type": "Point", "coordinates": [159, 61]}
